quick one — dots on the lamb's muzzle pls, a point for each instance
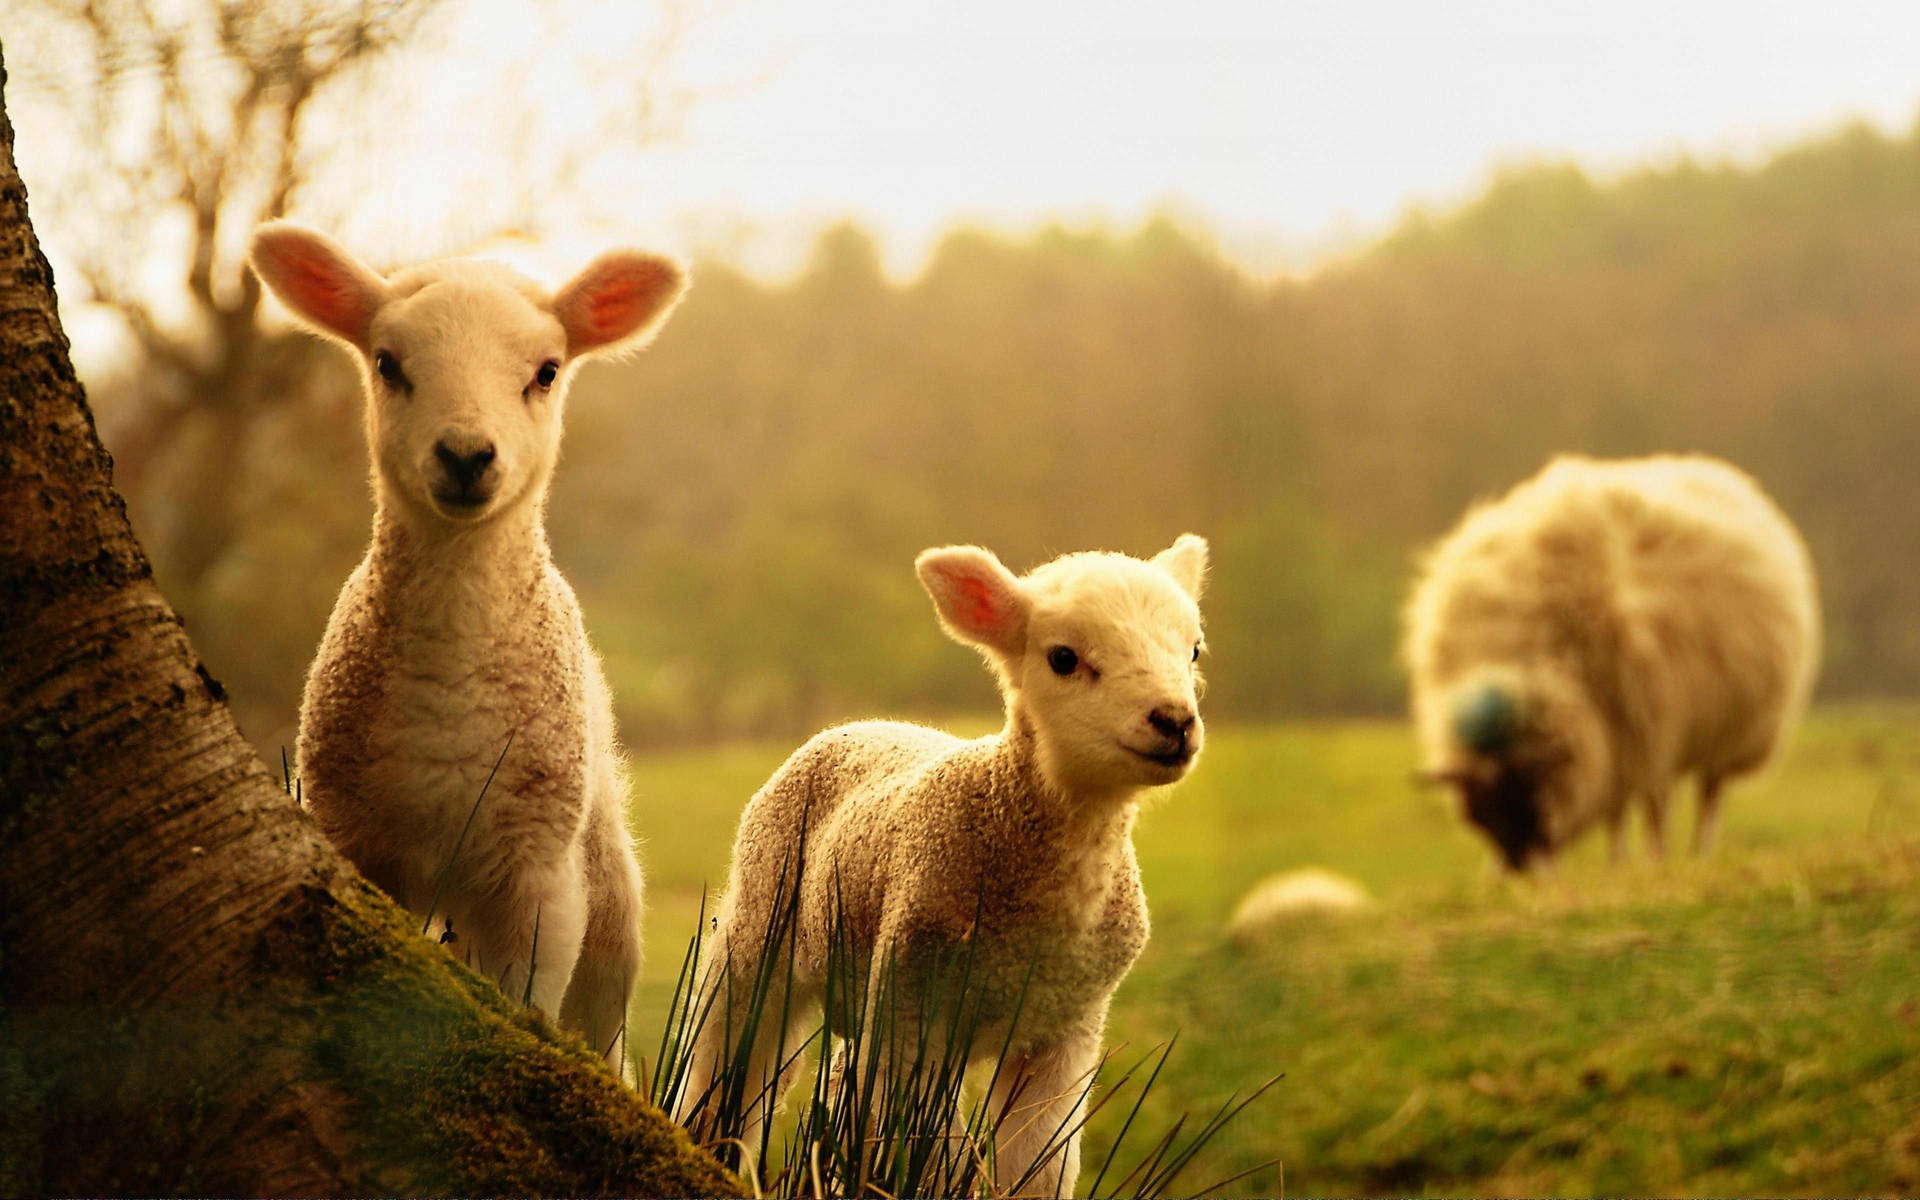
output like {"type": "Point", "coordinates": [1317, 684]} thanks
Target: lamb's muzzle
{"type": "Point", "coordinates": [464, 459]}
{"type": "Point", "coordinates": [1179, 736]}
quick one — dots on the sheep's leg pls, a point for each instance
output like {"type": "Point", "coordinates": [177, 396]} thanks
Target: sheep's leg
{"type": "Point", "coordinates": [897, 1034]}
{"type": "Point", "coordinates": [772, 1067]}
{"type": "Point", "coordinates": [1617, 836]}
{"type": "Point", "coordinates": [1043, 1097]}
{"type": "Point", "coordinates": [1656, 806]}
{"type": "Point", "coordinates": [526, 939]}
{"type": "Point", "coordinates": [609, 963]}
{"type": "Point", "coordinates": [771, 1063]}
{"type": "Point", "coordinates": [712, 1041]}
{"type": "Point", "coordinates": [1707, 817]}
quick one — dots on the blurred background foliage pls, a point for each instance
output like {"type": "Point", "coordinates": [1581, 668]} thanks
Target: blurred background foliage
{"type": "Point", "coordinates": [740, 505]}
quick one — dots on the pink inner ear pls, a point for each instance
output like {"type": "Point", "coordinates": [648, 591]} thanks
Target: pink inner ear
{"type": "Point", "coordinates": [982, 604]}
{"type": "Point", "coordinates": [617, 303]}
{"type": "Point", "coordinates": [609, 314]}
{"type": "Point", "coordinates": [313, 282]}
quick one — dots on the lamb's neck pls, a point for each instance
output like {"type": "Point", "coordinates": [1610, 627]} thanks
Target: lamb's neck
{"type": "Point", "coordinates": [454, 580]}
{"type": "Point", "coordinates": [1099, 824]}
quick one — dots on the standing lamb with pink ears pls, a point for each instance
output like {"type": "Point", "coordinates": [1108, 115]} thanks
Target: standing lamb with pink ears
{"type": "Point", "coordinates": [1017, 845]}
{"type": "Point", "coordinates": [456, 644]}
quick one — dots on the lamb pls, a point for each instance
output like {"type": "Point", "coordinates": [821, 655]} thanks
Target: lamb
{"type": "Point", "coordinates": [919, 841]}
{"type": "Point", "coordinates": [1603, 630]}
{"type": "Point", "coordinates": [456, 647]}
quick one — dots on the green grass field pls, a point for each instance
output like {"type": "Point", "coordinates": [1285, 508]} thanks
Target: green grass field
{"type": "Point", "coordinates": [1748, 1024]}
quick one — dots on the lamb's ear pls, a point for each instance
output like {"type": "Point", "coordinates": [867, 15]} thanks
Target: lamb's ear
{"type": "Point", "coordinates": [618, 301]}
{"type": "Point", "coordinates": [324, 285]}
{"type": "Point", "coordinates": [1186, 561]}
{"type": "Point", "coordinates": [979, 600]}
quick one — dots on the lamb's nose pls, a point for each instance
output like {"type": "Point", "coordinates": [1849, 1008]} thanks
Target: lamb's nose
{"type": "Point", "coordinates": [1169, 722]}
{"type": "Point", "coordinates": [465, 464]}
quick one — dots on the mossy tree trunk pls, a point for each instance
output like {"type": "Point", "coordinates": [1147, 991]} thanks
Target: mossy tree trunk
{"type": "Point", "coordinates": [196, 993]}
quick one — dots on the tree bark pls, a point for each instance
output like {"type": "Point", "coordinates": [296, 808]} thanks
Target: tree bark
{"type": "Point", "coordinates": [196, 993]}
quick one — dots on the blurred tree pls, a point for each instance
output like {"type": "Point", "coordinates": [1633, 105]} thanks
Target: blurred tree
{"type": "Point", "coordinates": [199, 996]}
{"type": "Point", "coordinates": [1080, 389]}
{"type": "Point", "coordinates": [185, 127]}
{"type": "Point", "coordinates": [180, 128]}
{"type": "Point", "coordinates": [740, 506]}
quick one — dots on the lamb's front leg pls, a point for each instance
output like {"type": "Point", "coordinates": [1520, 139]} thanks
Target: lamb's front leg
{"type": "Point", "coordinates": [1043, 1096]}
{"type": "Point", "coordinates": [597, 996]}
{"type": "Point", "coordinates": [905, 1077]}
{"type": "Point", "coordinates": [525, 937]}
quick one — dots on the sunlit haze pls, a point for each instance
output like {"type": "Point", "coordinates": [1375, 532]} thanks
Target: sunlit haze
{"type": "Point", "coordinates": [1290, 127]}
{"type": "Point", "coordinates": [1288, 131]}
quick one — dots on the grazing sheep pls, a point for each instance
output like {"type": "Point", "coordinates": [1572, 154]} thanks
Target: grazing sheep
{"type": "Point", "coordinates": [919, 841]}
{"type": "Point", "coordinates": [456, 645]}
{"type": "Point", "coordinates": [1601, 631]}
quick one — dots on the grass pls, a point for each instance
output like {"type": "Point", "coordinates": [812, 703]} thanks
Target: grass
{"type": "Point", "coordinates": [1750, 1024]}
{"type": "Point", "coordinates": [878, 1116]}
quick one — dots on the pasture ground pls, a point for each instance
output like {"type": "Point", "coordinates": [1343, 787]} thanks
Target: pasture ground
{"type": "Point", "coordinates": [1747, 1024]}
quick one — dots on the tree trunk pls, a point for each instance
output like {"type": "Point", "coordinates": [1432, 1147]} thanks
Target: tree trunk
{"type": "Point", "coordinates": [196, 993]}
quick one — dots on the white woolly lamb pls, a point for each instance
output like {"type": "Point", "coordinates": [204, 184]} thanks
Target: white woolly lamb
{"type": "Point", "coordinates": [456, 644]}
{"type": "Point", "coordinates": [1599, 632]}
{"type": "Point", "coordinates": [1020, 841]}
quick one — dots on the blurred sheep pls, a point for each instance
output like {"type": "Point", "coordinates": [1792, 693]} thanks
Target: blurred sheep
{"type": "Point", "coordinates": [1285, 895]}
{"type": "Point", "coordinates": [1602, 630]}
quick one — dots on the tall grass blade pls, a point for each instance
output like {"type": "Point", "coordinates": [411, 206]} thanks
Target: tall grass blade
{"type": "Point", "coordinates": [1163, 1179]}
{"type": "Point", "coordinates": [894, 1106]}
{"type": "Point", "coordinates": [533, 958]}
{"type": "Point", "coordinates": [440, 883]}
{"type": "Point", "coordinates": [1139, 1100]}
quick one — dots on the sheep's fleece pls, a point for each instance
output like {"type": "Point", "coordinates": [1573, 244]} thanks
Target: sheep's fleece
{"type": "Point", "coordinates": [1606, 628]}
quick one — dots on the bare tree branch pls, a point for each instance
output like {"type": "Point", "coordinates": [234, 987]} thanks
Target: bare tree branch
{"type": "Point", "coordinates": [188, 122]}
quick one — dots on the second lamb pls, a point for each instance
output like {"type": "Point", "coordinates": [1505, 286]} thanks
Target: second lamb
{"type": "Point", "coordinates": [911, 842]}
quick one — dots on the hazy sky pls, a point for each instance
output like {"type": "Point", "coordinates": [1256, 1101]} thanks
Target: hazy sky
{"type": "Point", "coordinates": [1285, 123]}
{"type": "Point", "coordinates": [1290, 127]}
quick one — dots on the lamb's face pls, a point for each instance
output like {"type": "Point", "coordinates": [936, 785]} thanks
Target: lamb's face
{"type": "Point", "coordinates": [1099, 655]}
{"type": "Point", "coordinates": [1110, 674]}
{"type": "Point", "coordinates": [466, 362]}
{"type": "Point", "coordinates": [465, 381]}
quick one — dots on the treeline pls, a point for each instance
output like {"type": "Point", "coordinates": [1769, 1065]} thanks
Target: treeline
{"type": "Point", "coordinates": [740, 506]}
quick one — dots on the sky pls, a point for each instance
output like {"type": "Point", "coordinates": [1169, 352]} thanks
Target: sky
{"type": "Point", "coordinates": [1289, 129]}
{"type": "Point", "coordinates": [1293, 128]}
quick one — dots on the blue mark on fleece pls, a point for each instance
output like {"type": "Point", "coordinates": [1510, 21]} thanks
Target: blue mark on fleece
{"type": "Point", "coordinates": [1486, 719]}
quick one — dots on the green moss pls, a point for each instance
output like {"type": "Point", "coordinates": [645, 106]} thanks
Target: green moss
{"type": "Point", "coordinates": [478, 1094]}
{"type": "Point", "coordinates": [439, 1083]}
{"type": "Point", "coordinates": [20, 1133]}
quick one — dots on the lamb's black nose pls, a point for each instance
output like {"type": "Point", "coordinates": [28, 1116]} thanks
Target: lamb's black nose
{"type": "Point", "coordinates": [1172, 723]}
{"type": "Point", "coordinates": [464, 465]}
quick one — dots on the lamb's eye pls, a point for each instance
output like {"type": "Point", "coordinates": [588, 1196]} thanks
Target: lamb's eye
{"type": "Point", "coordinates": [1063, 660]}
{"type": "Point", "coordinates": [389, 367]}
{"type": "Point", "coordinates": [548, 372]}
{"type": "Point", "coordinates": [1196, 652]}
